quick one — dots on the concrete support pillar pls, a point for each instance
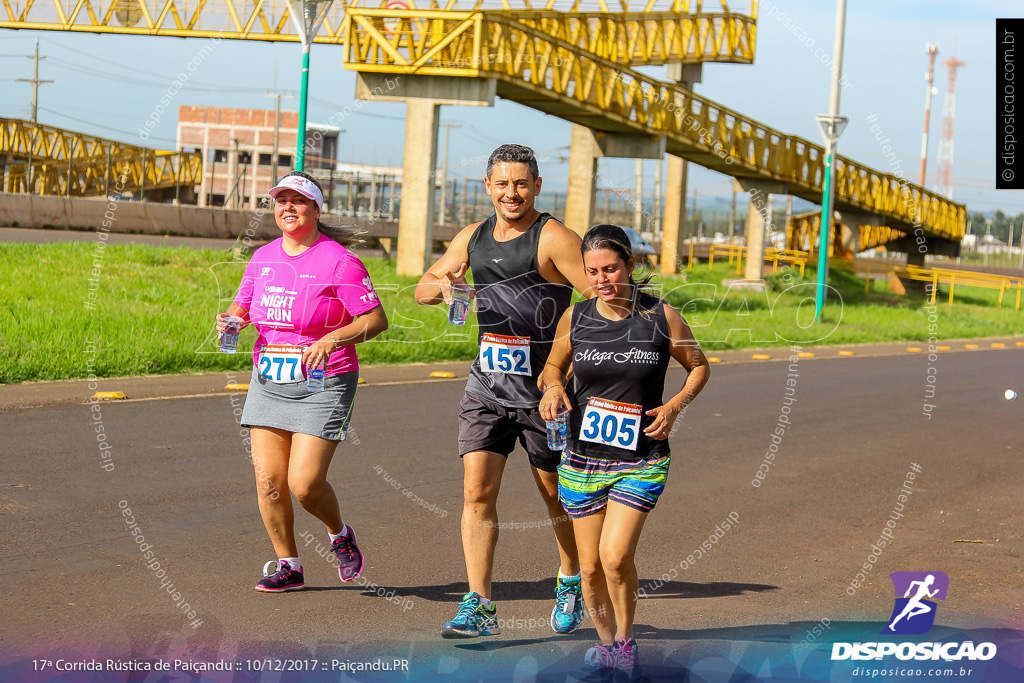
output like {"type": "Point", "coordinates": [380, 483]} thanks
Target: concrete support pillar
{"type": "Point", "coordinates": [416, 220]}
{"type": "Point", "coordinates": [915, 258]}
{"type": "Point", "coordinates": [916, 287]}
{"type": "Point", "coordinates": [583, 155]}
{"type": "Point", "coordinates": [423, 95]}
{"type": "Point", "coordinates": [587, 146]}
{"type": "Point", "coordinates": [917, 247]}
{"type": "Point", "coordinates": [673, 221]}
{"type": "Point", "coordinates": [848, 242]}
{"type": "Point", "coordinates": [674, 218]}
{"type": "Point", "coordinates": [757, 218]}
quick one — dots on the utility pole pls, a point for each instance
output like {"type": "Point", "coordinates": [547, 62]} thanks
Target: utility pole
{"type": "Point", "coordinates": [277, 127]}
{"type": "Point", "coordinates": [657, 200]}
{"type": "Point", "coordinates": [1020, 247]}
{"type": "Point", "coordinates": [932, 49]}
{"type": "Point", "coordinates": [832, 127]}
{"type": "Point", "coordinates": [638, 197]}
{"type": "Point", "coordinates": [944, 178]}
{"type": "Point", "coordinates": [732, 211]}
{"type": "Point", "coordinates": [443, 213]}
{"type": "Point", "coordinates": [35, 81]}
{"type": "Point", "coordinates": [307, 17]}
{"type": "Point", "coordinates": [789, 220]}
{"type": "Point", "coordinates": [693, 218]}
{"type": "Point", "coordinates": [1009, 240]}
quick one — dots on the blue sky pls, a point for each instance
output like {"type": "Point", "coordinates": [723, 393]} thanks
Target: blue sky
{"type": "Point", "coordinates": [109, 85]}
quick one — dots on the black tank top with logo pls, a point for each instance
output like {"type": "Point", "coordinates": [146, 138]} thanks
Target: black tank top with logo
{"type": "Point", "coordinates": [517, 312]}
{"type": "Point", "coordinates": [619, 374]}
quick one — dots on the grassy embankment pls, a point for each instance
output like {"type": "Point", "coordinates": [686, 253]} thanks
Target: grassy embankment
{"type": "Point", "coordinates": [73, 310]}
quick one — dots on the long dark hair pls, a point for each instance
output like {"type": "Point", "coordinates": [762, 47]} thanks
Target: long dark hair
{"type": "Point", "coordinates": [613, 237]}
{"type": "Point", "coordinates": [345, 235]}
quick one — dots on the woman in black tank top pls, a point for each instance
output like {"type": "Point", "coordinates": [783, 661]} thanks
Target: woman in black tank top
{"type": "Point", "coordinates": [616, 460]}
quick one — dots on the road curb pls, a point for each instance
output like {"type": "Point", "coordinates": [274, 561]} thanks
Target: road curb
{"type": "Point", "coordinates": [70, 392]}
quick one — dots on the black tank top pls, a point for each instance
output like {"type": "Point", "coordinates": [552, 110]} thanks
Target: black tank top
{"type": "Point", "coordinates": [619, 374]}
{"type": "Point", "coordinates": [517, 312]}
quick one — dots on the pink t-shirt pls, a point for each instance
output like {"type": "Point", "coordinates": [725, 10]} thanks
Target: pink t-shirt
{"type": "Point", "coordinates": [298, 299]}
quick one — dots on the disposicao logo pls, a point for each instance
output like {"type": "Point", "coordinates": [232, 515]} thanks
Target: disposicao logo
{"type": "Point", "coordinates": [914, 612]}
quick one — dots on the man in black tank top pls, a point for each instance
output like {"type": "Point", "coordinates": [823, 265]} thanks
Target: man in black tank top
{"type": "Point", "coordinates": [525, 264]}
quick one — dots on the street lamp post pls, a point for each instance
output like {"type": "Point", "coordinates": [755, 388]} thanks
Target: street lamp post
{"type": "Point", "coordinates": [832, 127]}
{"type": "Point", "coordinates": [307, 16]}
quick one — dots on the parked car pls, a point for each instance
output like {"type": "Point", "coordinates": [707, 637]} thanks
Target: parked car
{"type": "Point", "coordinates": [642, 249]}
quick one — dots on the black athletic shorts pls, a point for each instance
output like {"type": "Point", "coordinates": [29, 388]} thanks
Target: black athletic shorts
{"type": "Point", "coordinates": [487, 426]}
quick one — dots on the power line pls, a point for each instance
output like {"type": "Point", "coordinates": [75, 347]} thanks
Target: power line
{"type": "Point", "coordinates": [98, 125]}
{"type": "Point", "coordinates": [35, 81]}
{"type": "Point", "coordinates": [340, 107]}
{"type": "Point", "coordinates": [190, 85]}
{"type": "Point", "coordinates": [160, 77]}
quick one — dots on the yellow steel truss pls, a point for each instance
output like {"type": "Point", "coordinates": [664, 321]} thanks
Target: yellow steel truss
{"type": "Point", "coordinates": [650, 38]}
{"type": "Point", "coordinates": [75, 164]}
{"type": "Point", "coordinates": [658, 33]}
{"type": "Point", "coordinates": [239, 19]}
{"type": "Point", "coordinates": [559, 78]}
{"type": "Point", "coordinates": [803, 230]}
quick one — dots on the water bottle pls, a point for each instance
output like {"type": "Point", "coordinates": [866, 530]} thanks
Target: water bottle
{"type": "Point", "coordinates": [229, 337]}
{"type": "Point", "coordinates": [315, 378]}
{"type": "Point", "coordinates": [459, 308]}
{"type": "Point", "coordinates": [558, 430]}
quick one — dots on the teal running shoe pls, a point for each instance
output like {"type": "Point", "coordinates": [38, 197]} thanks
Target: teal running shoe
{"type": "Point", "coordinates": [472, 620]}
{"type": "Point", "coordinates": [567, 615]}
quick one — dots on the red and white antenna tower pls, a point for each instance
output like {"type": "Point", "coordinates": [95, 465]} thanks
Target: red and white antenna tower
{"type": "Point", "coordinates": [944, 177]}
{"type": "Point", "coordinates": [932, 49]}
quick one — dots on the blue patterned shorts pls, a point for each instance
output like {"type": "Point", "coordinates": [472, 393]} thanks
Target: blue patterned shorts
{"type": "Point", "coordinates": [586, 484]}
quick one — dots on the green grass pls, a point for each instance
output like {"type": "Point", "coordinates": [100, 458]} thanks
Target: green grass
{"type": "Point", "coordinates": [74, 310]}
{"type": "Point", "coordinates": [151, 310]}
{"type": "Point", "coordinates": [722, 317]}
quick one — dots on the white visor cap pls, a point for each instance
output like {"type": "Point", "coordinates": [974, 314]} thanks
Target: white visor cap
{"type": "Point", "coordinates": [303, 186]}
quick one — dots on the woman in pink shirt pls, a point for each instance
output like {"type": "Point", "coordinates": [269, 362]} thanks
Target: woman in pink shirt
{"type": "Point", "coordinates": [311, 300]}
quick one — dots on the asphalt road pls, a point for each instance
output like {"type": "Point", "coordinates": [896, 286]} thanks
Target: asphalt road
{"type": "Point", "coordinates": [76, 585]}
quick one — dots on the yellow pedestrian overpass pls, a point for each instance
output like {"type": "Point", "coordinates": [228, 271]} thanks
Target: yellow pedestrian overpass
{"type": "Point", "coordinates": [563, 60]}
{"type": "Point", "coordinates": [40, 159]}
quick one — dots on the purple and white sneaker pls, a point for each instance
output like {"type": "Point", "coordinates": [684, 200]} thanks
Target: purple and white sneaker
{"type": "Point", "coordinates": [627, 658]}
{"type": "Point", "coordinates": [350, 558]}
{"type": "Point", "coordinates": [283, 579]}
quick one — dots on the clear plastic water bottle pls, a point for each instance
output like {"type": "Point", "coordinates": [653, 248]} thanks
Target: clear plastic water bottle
{"type": "Point", "coordinates": [315, 378]}
{"type": "Point", "coordinates": [558, 430]}
{"type": "Point", "coordinates": [229, 337]}
{"type": "Point", "coordinates": [459, 309]}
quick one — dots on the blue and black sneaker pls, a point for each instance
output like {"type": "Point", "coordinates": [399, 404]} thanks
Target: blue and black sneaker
{"type": "Point", "coordinates": [567, 615]}
{"type": "Point", "coordinates": [472, 620]}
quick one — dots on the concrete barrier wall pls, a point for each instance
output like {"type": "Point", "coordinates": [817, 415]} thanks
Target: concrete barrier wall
{"type": "Point", "coordinates": [149, 218]}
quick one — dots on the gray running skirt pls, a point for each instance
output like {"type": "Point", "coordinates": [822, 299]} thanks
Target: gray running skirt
{"type": "Point", "coordinates": [294, 408]}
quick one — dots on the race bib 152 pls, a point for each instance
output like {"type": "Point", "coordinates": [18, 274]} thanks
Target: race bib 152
{"type": "Point", "coordinates": [505, 354]}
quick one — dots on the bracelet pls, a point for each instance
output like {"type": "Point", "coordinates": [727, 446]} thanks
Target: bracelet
{"type": "Point", "coordinates": [548, 386]}
{"type": "Point", "coordinates": [333, 340]}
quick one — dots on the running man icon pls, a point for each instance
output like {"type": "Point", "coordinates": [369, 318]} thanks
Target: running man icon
{"type": "Point", "coordinates": [916, 589]}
